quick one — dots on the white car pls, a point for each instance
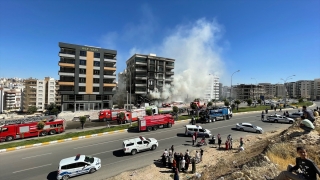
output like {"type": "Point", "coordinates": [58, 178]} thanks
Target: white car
{"type": "Point", "coordinates": [132, 146]}
{"type": "Point", "coordinates": [249, 127]}
{"type": "Point", "coordinates": [272, 117]}
{"type": "Point", "coordinates": [77, 165]}
{"type": "Point", "coordinates": [283, 119]}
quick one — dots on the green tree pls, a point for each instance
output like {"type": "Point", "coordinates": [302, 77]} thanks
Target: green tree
{"type": "Point", "coordinates": [193, 106]}
{"type": "Point", "coordinates": [226, 103]}
{"type": "Point", "coordinates": [32, 109]}
{"type": "Point", "coordinates": [121, 115]}
{"type": "Point", "coordinates": [233, 106]}
{"type": "Point", "coordinates": [83, 120]}
{"type": "Point", "coordinates": [259, 101]}
{"type": "Point", "coordinates": [249, 102]}
{"type": "Point", "coordinates": [149, 112]}
{"type": "Point", "coordinates": [209, 103]}
{"type": "Point", "coordinates": [175, 109]}
{"type": "Point", "coordinates": [40, 126]}
{"type": "Point", "coordinates": [300, 100]}
{"type": "Point", "coordinates": [54, 111]}
{"type": "Point", "coordinates": [237, 102]}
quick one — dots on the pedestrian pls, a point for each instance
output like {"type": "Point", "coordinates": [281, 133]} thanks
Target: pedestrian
{"type": "Point", "coordinates": [196, 135]}
{"type": "Point", "coordinates": [108, 124]}
{"type": "Point", "coordinates": [213, 139]}
{"type": "Point", "coordinates": [193, 139]}
{"type": "Point", "coordinates": [227, 144]}
{"type": "Point", "coordinates": [187, 152]}
{"type": "Point", "coordinates": [262, 116]}
{"type": "Point", "coordinates": [306, 125]}
{"type": "Point", "coordinates": [180, 159]}
{"type": "Point", "coordinates": [201, 154]}
{"type": "Point", "coordinates": [170, 152]}
{"type": "Point", "coordinates": [163, 159]}
{"type": "Point", "coordinates": [197, 156]}
{"type": "Point", "coordinates": [170, 161]}
{"type": "Point", "coordinates": [280, 109]}
{"type": "Point", "coordinates": [183, 164]}
{"type": "Point", "coordinates": [187, 163]}
{"type": "Point", "coordinates": [219, 140]}
{"type": "Point", "coordinates": [176, 174]}
{"type": "Point", "coordinates": [172, 148]}
{"type": "Point", "coordinates": [166, 152]}
{"type": "Point", "coordinates": [228, 137]}
{"type": "Point", "coordinates": [231, 142]}
{"type": "Point", "coordinates": [174, 165]}
{"type": "Point", "coordinates": [308, 169]}
{"type": "Point", "coordinates": [308, 114]}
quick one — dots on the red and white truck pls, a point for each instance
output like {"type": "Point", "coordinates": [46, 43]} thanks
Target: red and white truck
{"type": "Point", "coordinates": [148, 123]}
{"type": "Point", "coordinates": [27, 127]}
{"type": "Point", "coordinates": [112, 115]}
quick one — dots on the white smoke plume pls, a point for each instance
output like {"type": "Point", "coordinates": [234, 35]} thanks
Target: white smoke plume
{"type": "Point", "coordinates": [194, 48]}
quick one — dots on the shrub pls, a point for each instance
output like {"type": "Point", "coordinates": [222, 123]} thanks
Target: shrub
{"type": "Point", "coordinates": [40, 125]}
{"type": "Point", "coordinates": [249, 102]}
{"type": "Point", "coordinates": [149, 112]}
{"type": "Point", "coordinates": [193, 106]}
{"type": "Point", "coordinates": [83, 119]}
{"type": "Point", "coordinates": [300, 100]}
{"type": "Point", "coordinates": [121, 115]}
{"type": "Point", "coordinates": [32, 109]}
{"type": "Point", "coordinates": [259, 101]}
{"type": "Point", "coordinates": [226, 103]}
{"type": "Point", "coordinates": [175, 109]}
{"type": "Point", "coordinates": [209, 103]}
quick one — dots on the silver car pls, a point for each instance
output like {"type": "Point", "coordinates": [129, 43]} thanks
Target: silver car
{"type": "Point", "coordinates": [249, 127]}
{"type": "Point", "coordinates": [283, 119]}
{"type": "Point", "coordinates": [272, 117]}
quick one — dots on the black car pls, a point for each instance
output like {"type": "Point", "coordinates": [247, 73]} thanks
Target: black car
{"type": "Point", "coordinates": [296, 115]}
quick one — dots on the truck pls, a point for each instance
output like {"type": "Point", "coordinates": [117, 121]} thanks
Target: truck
{"type": "Point", "coordinates": [148, 123]}
{"type": "Point", "coordinates": [221, 113]}
{"type": "Point", "coordinates": [112, 115]}
{"type": "Point", "coordinates": [27, 127]}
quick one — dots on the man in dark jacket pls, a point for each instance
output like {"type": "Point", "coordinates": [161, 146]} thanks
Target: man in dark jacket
{"type": "Point", "coordinates": [308, 114]}
{"type": "Point", "coordinates": [308, 168]}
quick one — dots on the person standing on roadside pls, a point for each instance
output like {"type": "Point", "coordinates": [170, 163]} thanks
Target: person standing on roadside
{"type": "Point", "coordinates": [193, 139]}
{"type": "Point", "coordinates": [176, 174]}
{"type": "Point", "coordinates": [183, 164]}
{"type": "Point", "coordinates": [308, 114]}
{"type": "Point", "coordinates": [174, 164]}
{"type": "Point", "coordinates": [172, 148]}
{"type": "Point", "coordinates": [170, 162]}
{"type": "Point", "coordinates": [262, 116]}
{"type": "Point", "coordinates": [213, 139]}
{"type": "Point", "coordinates": [201, 154]}
{"type": "Point", "coordinates": [187, 163]}
{"type": "Point", "coordinates": [219, 140]}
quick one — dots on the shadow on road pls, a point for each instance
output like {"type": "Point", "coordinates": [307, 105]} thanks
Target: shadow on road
{"type": "Point", "coordinates": [133, 130]}
{"type": "Point", "coordinates": [52, 175]}
{"type": "Point", "coordinates": [181, 135]}
{"type": "Point", "coordinates": [118, 153]}
{"type": "Point", "coordinates": [158, 163]}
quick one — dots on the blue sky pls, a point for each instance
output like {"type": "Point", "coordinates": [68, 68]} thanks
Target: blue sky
{"type": "Point", "coordinates": [266, 40]}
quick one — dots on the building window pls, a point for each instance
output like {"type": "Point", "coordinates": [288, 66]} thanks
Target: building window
{"type": "Point", "coordinates": [96, 80]}
{"type": "Point", "coordinates": [96, 55]}
{"type": "Point", "coordinates": [82, 71]}
{"type": "Point", "coordinates": [96, 63]}
{"type": "Point", "coordinates": [83, 62]}
{"type": "Point", "coordinates": [107, 81]}
{"type": "Point", "coordinates": [51, 99]}
{"type": "Point", "coordinates": [40, 104]}
{"type": "Point", "coordinates": [51, 91]}
{"type": "Point", "coordinates": [40, 91]}
{"type": "Point", "coordinates": [95, 89]}
{"type": "Point", "coordinates": [160, 69]}
{"type": "Point", "coordinates": [51, 83]}
{"type": "Point", "coordinates": [82, 88]}
{"type": "Point", "coordinates": [83, 53]}
{"type": "Point", "coordinates": [96, 72]}
{"type": "Point", "coordinates": [40, 99]}
{"type": "Point", "coordinates": [82, 80]}
{"type": "Point", "coordinates": [152, 61]}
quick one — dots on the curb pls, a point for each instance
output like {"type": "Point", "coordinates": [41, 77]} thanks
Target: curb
{"type": "Point", "coordinates": [60, 141]}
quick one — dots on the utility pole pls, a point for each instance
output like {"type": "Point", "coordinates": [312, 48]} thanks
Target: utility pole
{"type": "Point", "coordinates": [231, 85]}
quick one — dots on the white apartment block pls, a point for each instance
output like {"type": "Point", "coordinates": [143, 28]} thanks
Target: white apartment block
{"type": "Point", "coordinates": [316, 89]}
{"type": "Point", "coordinates": [280, 91]}
{"type": "Point", "coordinates": [304, 89]}
{"type": "Point", "coordinates": [212, 90]}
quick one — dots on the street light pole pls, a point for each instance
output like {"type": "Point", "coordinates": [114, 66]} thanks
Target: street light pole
{"type": "Point", "coordinates": [231, 85]}
{"type": "Point", "coordinates": [285, 87]}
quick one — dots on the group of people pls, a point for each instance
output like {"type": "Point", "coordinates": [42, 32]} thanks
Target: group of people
{"type": "Point", "coordinates": [175, 160]}
{"type": "Point", "coordinates": [228, 143]}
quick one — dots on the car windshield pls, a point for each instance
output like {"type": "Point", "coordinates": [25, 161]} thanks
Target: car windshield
{"type": "Point", "coordinates": [89, 159]}
{"type": "Point", "coordinates": [148, 140]}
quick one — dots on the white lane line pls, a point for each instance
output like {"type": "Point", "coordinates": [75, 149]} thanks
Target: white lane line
{"type": "Point", "coordinates": [32, 168]}
{"type": "Point", "coordinates": [36, 156]}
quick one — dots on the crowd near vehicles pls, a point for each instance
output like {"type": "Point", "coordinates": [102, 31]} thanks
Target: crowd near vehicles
{"type": "Point", "coordinates": [139, 144]}
{"type": "Point", "coordinates": [201, 132]}
{"type": "Point", "coordinates": [281, 119]}
{"type": "Point", "coordinates": [154, 122]}
{"type": "Point", "coordinates": [77, 165]}
{"type": "Point", "coordinates": [27, 127]}
{"type": "Point", "coordinates": [249, 127]}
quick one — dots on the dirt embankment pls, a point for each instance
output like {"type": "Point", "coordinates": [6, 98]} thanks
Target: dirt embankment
{"type": "Point", "coordinates": [264, 155]}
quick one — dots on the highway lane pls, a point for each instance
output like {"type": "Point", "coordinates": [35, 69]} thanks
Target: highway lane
{"type": "Point", "coordinates": [38, 163]}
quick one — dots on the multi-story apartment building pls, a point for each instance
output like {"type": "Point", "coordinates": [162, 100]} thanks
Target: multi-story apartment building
{"type": "Point", "coordinates": [220, 90]}
{"type": "Point", "coordinates": [212, 91]}
{"type": "Point", "coordinates": [248, 91]}
{"type": "Point", "coordinates": [1, 100]}
{"type": "Point", "coordinates": [270, 90]}
{"type": "Point", "coordinates": [29, 95]}
{"type": "Point", "coordinates": [121, 95]}
{"type": "Point", "coordinates": [57, 94]}
{"type": "Point", "coordinates": [291, 89]}
{"type": "Point", "coordinates": [280, 91]}
{"type": "Point", "coordinates": [147, 74]}
{"type": "Point", "coordinates": [304, 88]}
{"type": "Point", "coordinates": [12, 99]}
{"type": "Point", "coordinates": [87, 77]}
{"type": "Point", "coordinates": [316, 89]}
{"type": "Point", "coordinates": [225, 93]}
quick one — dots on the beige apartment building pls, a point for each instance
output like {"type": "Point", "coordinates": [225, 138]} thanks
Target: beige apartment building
{"type": "Point", "coordinates": [12, 99]}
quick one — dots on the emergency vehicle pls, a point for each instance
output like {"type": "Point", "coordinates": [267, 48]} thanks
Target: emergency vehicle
{"type": "Point", "coordinates": [139, 144]}
{"type": "Point", "coordinates": [112, 115]}
{"type": "Point", "coordinates": [77, 165]}
{"type": "Point", "coordinates": [148, 123]}
{"type": "Point", "coordinates": [27, 127]}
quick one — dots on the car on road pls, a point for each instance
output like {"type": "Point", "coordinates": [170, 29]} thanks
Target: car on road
{"type": "Point", "coordinates": [272, 117]}
{"type": "Point", "coordinates": [249, 127]}
{"type": "Point", "coordinates": [201, 132]}
{"type": "Point", "coordinates": [77, 165]}
{"type": "Point", "coordinates": [296, 115]}
{"type": "Point", "coordinates": [139, 144]}
{"type": "Point", "coordinates": [282, 119]}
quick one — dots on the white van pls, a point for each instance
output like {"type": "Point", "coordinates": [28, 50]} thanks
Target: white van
{"type": "Point", "coordinates": [77, 165]}
{"type": "Point", "coordinates": [191, 129]}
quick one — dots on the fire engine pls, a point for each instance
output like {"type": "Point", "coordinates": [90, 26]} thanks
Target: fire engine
{"type": "Point", "coordinates": [148, 123]}
{"type": "Point", "coordinates": [112, 115]}
{"type": "Point", "coordinates": [27, 127]}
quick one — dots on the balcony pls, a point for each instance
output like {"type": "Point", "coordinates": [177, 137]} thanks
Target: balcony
{"type": "Point", "coordinates": [66, 73]}
{"type": "Point", "coordinates": [65, 54]}
{"type": "Point", "coordinates": [11, 95]}
{"type": "Point", "coordinates": [109, 85]}
{"type": "Point", "coordinates": [109, 76]}
{"type": "Point", "coordinates": [169, 79]}
{"type": "Point", "coordinates": [66, 65]}
{"type": "Point", "coordinates": [109, 60]}
{"type": "Point", "coordinates": [141, 78]}
{"type": "Point", "coordinates": [169, 65]}
{"type": "Point", "coordinates": [141, 63]}
{"type": "Point", "coordinates": [140, 84]}
{"type": "Point", "coordinates": [109, 90]}
{"type": "Point", "coordinates": [141, 69]}
{"type": "Point", "coordinates": [64, 83]}
{"type": "Point", "coordinates": [140, 92]}
{"type": "Point", "coordinates": [110, 68]}
{"type": "Point", "coordinates": [170, 72]}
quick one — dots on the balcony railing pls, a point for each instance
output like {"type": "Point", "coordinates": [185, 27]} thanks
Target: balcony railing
{"type": "Point", "coordinates": [169, 72]}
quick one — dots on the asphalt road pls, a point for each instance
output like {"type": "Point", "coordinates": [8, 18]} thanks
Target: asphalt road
{"type": "Point", "coordinates": [42, 162]}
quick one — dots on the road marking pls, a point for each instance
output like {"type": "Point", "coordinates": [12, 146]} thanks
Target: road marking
{"type": "Point", "coordinates": [31, 168]}
{"type": "Point", "coordinates": [36, 156]}
{"type": "Point", "coordinates": [105, 152]}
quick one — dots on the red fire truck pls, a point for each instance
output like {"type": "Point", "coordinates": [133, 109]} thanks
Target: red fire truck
{"type": "Point", "coordinates": [27, 127]}
{"type": "Point", "coordinates": [148, 123]}
{"type": "Point", "coordinates": [112, 115]}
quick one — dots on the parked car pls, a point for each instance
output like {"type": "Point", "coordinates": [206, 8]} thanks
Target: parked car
{"type": "Point", "coordinates": [282, 119]}
{"type": "Point", "coordinates": [139, 144]}
{"type": "Point", "coordinates": [249, 127]}
{"type": "Point", "coordinates": [296, 115]}
{"type": "Point", "coordinates": [272, 117]}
